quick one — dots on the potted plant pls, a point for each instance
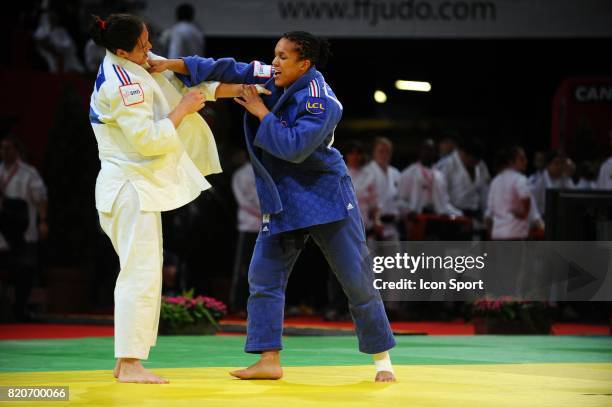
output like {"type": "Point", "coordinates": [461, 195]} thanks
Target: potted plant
{"type": "Point", "coordinates": [186, 315]}
{"type": "Point", "coordinates": [509, 316]}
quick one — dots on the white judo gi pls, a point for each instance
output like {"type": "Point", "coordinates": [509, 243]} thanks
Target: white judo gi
{"type": "Point", "coordinates": [386, 183]}
{"type": "Point", "coordinates": [421, 187]}
{"type": "Point", "coordinates": [147, 166]}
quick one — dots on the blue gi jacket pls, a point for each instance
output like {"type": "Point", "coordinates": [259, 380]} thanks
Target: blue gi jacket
{"type": "Point", "coordinates": [301, 179]}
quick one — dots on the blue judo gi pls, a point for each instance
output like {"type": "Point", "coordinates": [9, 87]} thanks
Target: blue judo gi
{"type": "Point", "coordinates": [304, 191]}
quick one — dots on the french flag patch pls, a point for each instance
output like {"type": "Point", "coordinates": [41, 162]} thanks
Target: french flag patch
{"type": "Point", "coordinates": [262, 71]}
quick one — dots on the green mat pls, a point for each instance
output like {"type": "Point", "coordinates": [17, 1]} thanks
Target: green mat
{"type": "Point", "coordinates": [210, 351]}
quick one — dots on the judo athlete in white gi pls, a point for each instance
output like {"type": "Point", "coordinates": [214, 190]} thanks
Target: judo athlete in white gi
{"type": "Point", "coordinates": [386, 178]}
{"type": "Point", "coordinates": [304, 191]}
{"type": "Point", "coordinates": [155, 151]}
{"type": "Point", "coordinates": [422, 188]}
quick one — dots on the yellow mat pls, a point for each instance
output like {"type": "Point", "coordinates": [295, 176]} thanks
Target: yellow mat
{"type": "Point", "coordinates": [441, 385]}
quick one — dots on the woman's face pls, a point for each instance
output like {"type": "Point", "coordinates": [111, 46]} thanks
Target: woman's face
{"type": "Point", "coordinates": [287, 64]}
{"type": "Point", "coordinates": [139, 54]}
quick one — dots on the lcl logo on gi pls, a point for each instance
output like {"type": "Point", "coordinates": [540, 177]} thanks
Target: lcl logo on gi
{"type": "Point", "coordinates": [314, 106]}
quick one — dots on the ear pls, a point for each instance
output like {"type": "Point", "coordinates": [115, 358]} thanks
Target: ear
{"type": "Point", "coordinates": [121, 53]}
{"type": "Point", "coordinates": [305, 64]}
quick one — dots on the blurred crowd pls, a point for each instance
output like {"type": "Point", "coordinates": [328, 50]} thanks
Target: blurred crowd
{"type": "Point", "coordinates": [58, 30]}
{"type": "Point", "coordinates": [448, 193]}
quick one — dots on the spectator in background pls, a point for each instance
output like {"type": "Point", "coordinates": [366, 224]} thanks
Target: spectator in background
{"type": "Point", "coordinates": [467, 177]}
{"type": "Point", "coordinates": [185, 37]}
{"type": "Point", "coordinates": [386, 179]}
{"type": "Point", "coordinates": [587, 175]}
{"type": "Point", "coordinates": [446, 146]}
{"type": "Point", "coordinates": [539, 163]}
{"type": "Point", "coordinates": [249, 223]}
{"type": "Point", "coordinates": [365, 185]}
{"type": "Point", "coordinates": [604, 181]}
{"type": "Point", "coordinates": [56, 45]}
{"type": "Point", "coordinates": [551, 177]}
{"type": "Point", "coordinates": [569, 170]}
{"type": "Point", "coordinates": [422, 188]}
{"type": "Point", "coordinates": [21, 181]}
{"type": "Point", "coordinates": [94, 54]}
{"type": "Point", "coordinates": [509, 199]}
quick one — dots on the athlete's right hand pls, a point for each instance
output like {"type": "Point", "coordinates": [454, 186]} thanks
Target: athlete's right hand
{"type": "Point", "coordinates": [192, 101]}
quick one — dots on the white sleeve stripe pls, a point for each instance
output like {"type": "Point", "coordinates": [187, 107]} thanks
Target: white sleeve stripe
{"type": "Point", "coordinates": [314, 89]}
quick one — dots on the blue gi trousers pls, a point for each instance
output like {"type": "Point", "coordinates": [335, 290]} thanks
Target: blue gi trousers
{"type": "Point", "coordinates": [343, 244]}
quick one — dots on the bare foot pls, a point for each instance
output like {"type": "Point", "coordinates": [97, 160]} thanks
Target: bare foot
{"type": "Point", "coordinates": [117, 368]}
{"type": "Point", "coordinates": [384, 376]}
{"type": "Point", "coordinates": [132, 371]}
{"type": "Point", "coordinates": [268, 367]}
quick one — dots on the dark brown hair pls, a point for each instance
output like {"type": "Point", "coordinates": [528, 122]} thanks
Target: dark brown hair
{"type": "Point", "coordinates": [118, 31]}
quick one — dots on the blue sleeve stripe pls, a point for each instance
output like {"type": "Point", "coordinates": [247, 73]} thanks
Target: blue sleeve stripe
{"type": "Point", "coordinates": [94, 117]}
{"type": "Point", "coordinates": [100, 78]}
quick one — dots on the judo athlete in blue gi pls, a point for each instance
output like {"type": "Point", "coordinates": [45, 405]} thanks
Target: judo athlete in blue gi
{"type": "Point", "coordinates": [304, 191]}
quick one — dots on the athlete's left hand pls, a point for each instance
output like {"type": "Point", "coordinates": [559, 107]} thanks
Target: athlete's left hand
{"type": "Point", "coordinates": [251, 101]}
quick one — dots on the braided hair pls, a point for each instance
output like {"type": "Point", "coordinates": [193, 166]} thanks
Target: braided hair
{"type": "Point", "coordinates": [310, 47]}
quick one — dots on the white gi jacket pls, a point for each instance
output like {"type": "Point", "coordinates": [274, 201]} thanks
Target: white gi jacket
{"type": "Point", "coordinates": [420, 186]}
{"type": "Point", "coordinates": [386, 187]}
{"type": "Point", "coordinates": [465, 193]}
{"type": "Point", "coordinates": [364, 183]}
{"type": "Point", "coordinates": [544, 182]}
{"type": "Point", "coordinates": [604, 181]}
{"type": "Point", "coordinates": [138, 143]}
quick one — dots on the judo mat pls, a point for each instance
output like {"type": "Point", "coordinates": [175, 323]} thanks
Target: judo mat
{"type": "Point", "coordinates": [326, 371]}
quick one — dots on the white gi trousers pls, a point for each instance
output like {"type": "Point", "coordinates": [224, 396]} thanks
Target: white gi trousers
{"type": "Point", "coordinates": [137, 239]}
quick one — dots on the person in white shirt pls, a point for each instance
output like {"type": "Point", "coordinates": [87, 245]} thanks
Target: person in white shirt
{"type": "Point", "coordinates": [467, 178]}
{"type": "Point", "coordinates": [446, 146]}
{"type": "Point", "coordinates": [587, 176]}
{"type": "Point", "coordinates": [551, 177]}
{"type": "Point", "coordinates": [93, 55]}
{"type": "Point", "coordinates": [365, 185]}
{"type": "Point", "coordinates": [539, 163]}
{"type": "Point", "coordinates": [249, 223]}
{"type": "Point", "coordinates": [604, 180]}
{"type": "Point", "coordinates": [509, 200]}
{"type": "Point", "coordinates": [155, 150]}
{"type": "Point", "coordinates": [386, 178]}
{"type": "Point", "coordinates": [185, 37]}
{"type": "Point", "coordinates": [21, 181]}
{"type": "Point", "coordinates": [56, 45]}
{"type": "Point", "coordinates": [422, 188]}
